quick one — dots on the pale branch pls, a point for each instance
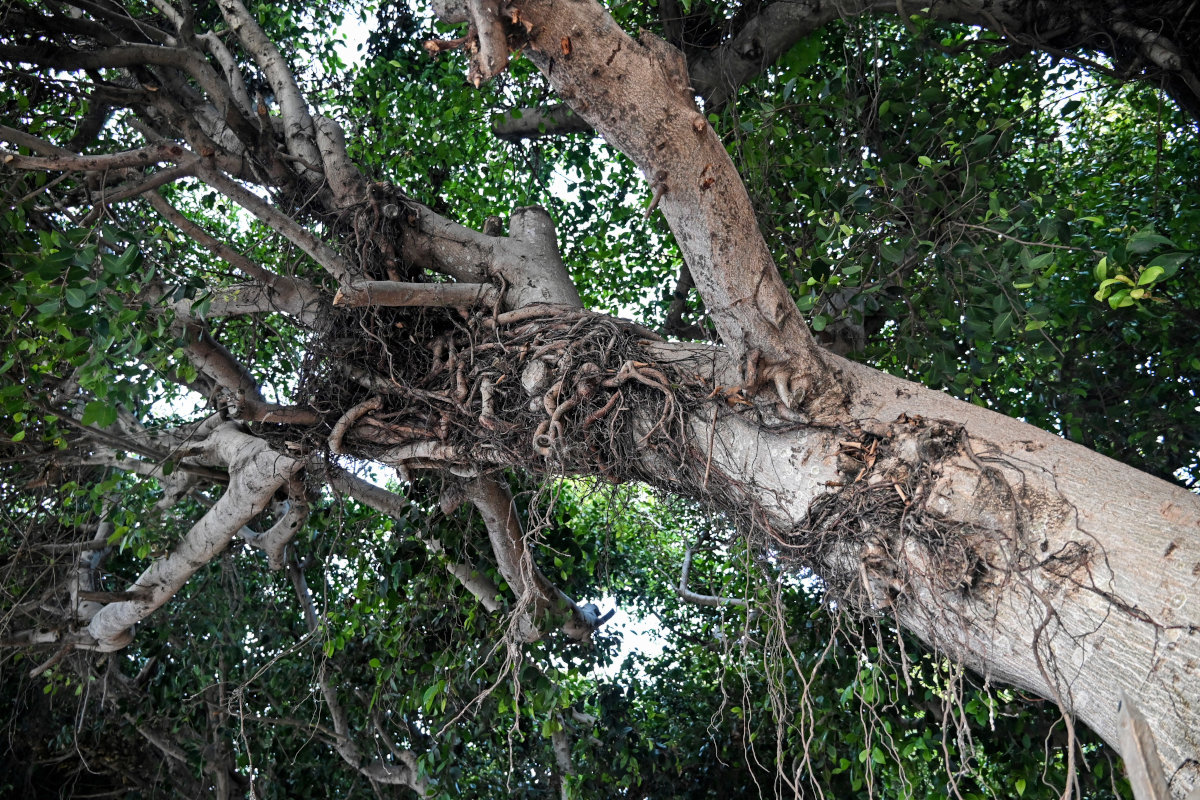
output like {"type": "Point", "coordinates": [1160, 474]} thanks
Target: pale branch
{"type": "Point", "coordinates": [531, 123]}
{"type": "Point", "coordinates": [560, 742]}
{"type": "Point", "coordinates": [402, 774]}
{"type": "Point", "coordinates": [255, 472]}
{"type": "Point", "coordinates": [515, 562]}
{"type": "Point", "coordinates": [472, 579]}
{"type": "Point", "coordinates": [709, 600]}
{"type": "Point", "coordinates": [274, 540]}
{"type": "Point", "coordinates": [87, 563]}
{"type": "Point", "coordinates": [298, 123]}
{"type": "Point", "coordinates": [434, 295]}
{"type": "Point", "coordinates": [345, 181]}
{"type": "Point", "coordinates": [279, 222]}
{"type": "Point", "coordinates": [73, 162]}
{"type": "Point", "coordinates": [233, 75]}
{"type": "Point", "coordinates": [491, 56]}
{"type": "Point", "coordinates": [119, 458]}
{"type": "Point", "coordinates": [119, 56]}
{"type": "Point", "coordinates": [294, 296]}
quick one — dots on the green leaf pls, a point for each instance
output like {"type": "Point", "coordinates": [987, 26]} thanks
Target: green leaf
{"type": "Point", "coordinates": [1170, 262]}
{"type": "Point", "coordinates": [1150, 275]}
{"type": "Point", "coordinates": [1002, 324]}
{"type": "Point", "coordinates": [99, 413]}
{"type": "Point", "coordinates": [1146, 240]}
{"type": "Point", "coordinates": [1019, 783]}
{"type": "Point", "coordinates": [1041, 262]}
{"type": "Point", "coordinates": [892, 254]}
{"type": "Point", "coordinates": [925, 161]}
{"type": "Point", "coordinates": [76, 297]}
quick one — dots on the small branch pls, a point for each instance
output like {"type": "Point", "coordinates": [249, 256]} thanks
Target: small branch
{"type": "Point", "coordinates": [711, 601]}
{"type": "Point", "coordinates": [160, 178]}
{"type": "Point", "coordinates": [294, 296]}
{"type": "Point", "coordinates": [433, 295]}
{"type": "Point", "coordinates": [58, 656]}
{"type": "Point", "coordinates": [23, 139]}
{"type": "Point", "coordinates": [316, 249]}
{"type": "Point", "coordinates": [533, 589]}
{"type": "Point", "coordinates": [347, 183]}
{"type": "Point", "coordinates": [385, 502]}
{"type": "Point", "coordinates": [1142, 763]}
{"type": "Point", "coordinates": [63, 162]}
{"type": "Point", "coordinates": [377, 769]}
{"type": "Point", "coordinates": [995, 232]}
{"type": "Point", "coordinates": [211, 358]}
{"type": "Point", "coordinates": [560, 742]}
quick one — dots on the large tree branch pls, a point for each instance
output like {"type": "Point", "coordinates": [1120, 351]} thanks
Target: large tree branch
{"type": "Point", "coordinates": [255, 472]}
{"type": "Point", "coordinates": [63, 162]}
{"type": "Point", "coordinates": [527, 260]}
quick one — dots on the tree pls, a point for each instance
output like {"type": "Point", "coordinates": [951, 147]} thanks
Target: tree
{"type": "Point", "coordinates": [353, 324]}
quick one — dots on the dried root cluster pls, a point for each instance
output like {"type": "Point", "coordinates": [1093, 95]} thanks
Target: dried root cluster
{"type": "Point", "coordinates": [871, 537]}
{"type": "Point", "coordinates": [448, 390]}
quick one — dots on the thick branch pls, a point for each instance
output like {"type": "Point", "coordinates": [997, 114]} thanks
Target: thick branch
{"type": "Point", "coordinates": [527, 259]}
{"type": "Point", "coordinates": [533, 589]}
{"type": "Point", "coordinates": [393, 293]}
{"type": "Point", "coordinates": [274, 540]}
{"type": "Point", "coordinates": [530, 123]}
{"type": "Point", "coordinates": [213, 359]}
{"type": "Point", "coordinates": [255, 472]}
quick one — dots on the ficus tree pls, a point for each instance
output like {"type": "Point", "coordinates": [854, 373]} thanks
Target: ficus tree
{"type": "Point", "coordinates": [900, 459]}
